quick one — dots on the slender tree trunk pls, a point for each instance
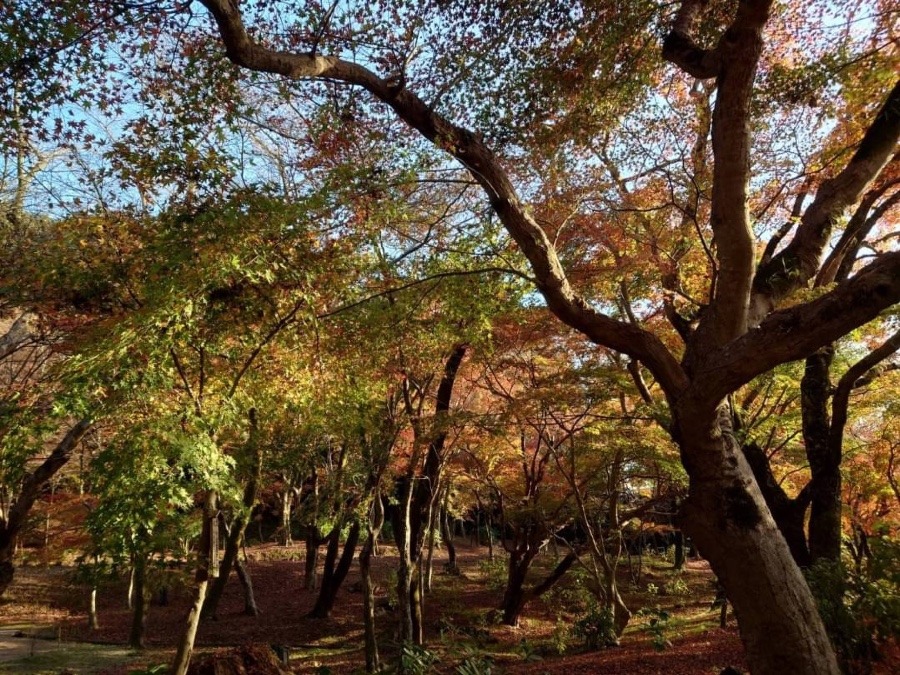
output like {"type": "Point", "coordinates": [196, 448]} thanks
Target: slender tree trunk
{"type": "Point", "coordinates": [452, 566]}
{"type": "Point", "coordinates": [287, 501]}
{"type": "Point", "coordinates": [489, 526]}
{"type": "Point", "coordinates": [417, 604]}
{"type": "Point", "coordinates": [234, 533]}
{"type": "Point", "coordinates": [375, 522]}
{"type": "Point", "coordinates": [93, 620]}
{"type": "Point", "coordinates": [726, 516]}
{"type": "Point", "coordinates": [371, 638]}
{"type": "Point", "coordinates": [679, 551]}
{"type": "Point", "coordinates": [140, 604]}
{"type": "Point", "coordinates": [17, 513]}
{"type": "Point", "coordinates": [233, 536]}
{"type": "Point", "coordinates": [334, 574]}
{"type": "Point", "coordinates": [401, 527]}
{"type": "Point", "coordinates": [429, 564]}
{"type": "Point", "coordinates": [250, 608]}
{"type": "Point", "coordinates": [129, 600]}
{"type": "Point", "coordinates": [201, 579]}
{"type": "Point", "coordinates": [311, 562]}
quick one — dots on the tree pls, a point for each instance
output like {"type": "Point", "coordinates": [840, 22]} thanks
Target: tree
{"type": "Point", "coordinates": [739, 334]}
{"type": "Point", "coordinates": [552, 92]}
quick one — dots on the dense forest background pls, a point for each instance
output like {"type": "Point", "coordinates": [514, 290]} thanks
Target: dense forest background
{"type": "Point", "coordinates": [567, 281]}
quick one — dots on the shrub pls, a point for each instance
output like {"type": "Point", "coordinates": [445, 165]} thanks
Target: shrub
{"type": "Point", "coordinates": [860, 607]}
{"type": "Point", "coordinates": [494, 572]}
{"type": "Point", "coordinates": [597, 628]}
{"type": "Point", "coordinates": [415, 660]}
{"type": "Point", "coordinates": [474, 664]}
{"type": "Point", "coordinates": [657, 625]}
{"type": "Point", "coordinates": [677, 586]}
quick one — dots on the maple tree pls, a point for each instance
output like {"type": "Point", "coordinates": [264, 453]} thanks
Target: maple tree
{"type": "Point", "coordinates": [740, 333]}
{"type": "Point", "coordinates": [664, 202]}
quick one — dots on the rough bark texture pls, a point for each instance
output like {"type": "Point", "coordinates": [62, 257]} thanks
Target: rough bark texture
{"type": "Point", "coordinates": [825, 468]}
{"type": "Point", "coordinates": [789, 514]}
{"type": "Point", "coordinates": [725, 514]}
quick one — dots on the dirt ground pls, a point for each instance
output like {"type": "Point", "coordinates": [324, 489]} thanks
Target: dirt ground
{"type": "Point", "coordinates": [50, 608]}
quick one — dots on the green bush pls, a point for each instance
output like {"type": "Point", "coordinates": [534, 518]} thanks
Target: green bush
{"type": "Point", "coordinates": [657, 625]}
{"type": "Point", "coordinates": [495, 572]}
{"type": "Point", "coordinates": [415, 660]}
{"type": "Point", "coordinates": [574, 592]}
{"type": "Point", "coordinates": [474, 664]}
{"type": "Point", "coordinates": [597, 628]}
{"type": "Point", "coordinates": [860, 607]}
{"type": "Point", "coordinates": [677, 586]}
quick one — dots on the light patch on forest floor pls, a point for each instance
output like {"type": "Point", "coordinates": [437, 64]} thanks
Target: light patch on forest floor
{"type": "Point", "coordinates": [37, 653]}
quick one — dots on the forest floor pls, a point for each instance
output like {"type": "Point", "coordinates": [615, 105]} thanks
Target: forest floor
{"type": "Point", "coordinates": [47, 609]}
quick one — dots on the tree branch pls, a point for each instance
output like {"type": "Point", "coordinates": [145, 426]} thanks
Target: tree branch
{"type": "Point", "coordinates": [485, 168]}
{"type": "Point", "coordinates": [679, 47]}
{"type": "Point", "coordinates": [36, 480]}
{"type": "Point", "coordinates": [799, 261]}
{"type": "Point", "coordinates": [841, 400]}
{"type": "Point", "coordinates": [795, 333]}
{"type": "Point", "coordinates": [739, 49]}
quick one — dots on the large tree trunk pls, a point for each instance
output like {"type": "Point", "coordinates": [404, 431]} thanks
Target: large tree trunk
{"type": "Point", "coordinates": [335, 571]}
{"type": "Point", "coordinates": [789, 514]}
{"type": "Point", "coordinates": [726, 516]}
{"type": "Point", "coordinates": [514, 593]}
{"type": "Point", "coordinates": [516, 596]}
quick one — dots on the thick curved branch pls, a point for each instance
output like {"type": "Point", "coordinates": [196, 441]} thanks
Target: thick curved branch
{"type": "Point", "coordinates": [485, 168]}
{"type": "Point", "coordinates": [679, 47]}
{"type": "Point", "coordinates": [795, 333]}
{"type": "Point", "coordinates": [739, 49]}
{"type": "Point", "coordinates": [799, 261]}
